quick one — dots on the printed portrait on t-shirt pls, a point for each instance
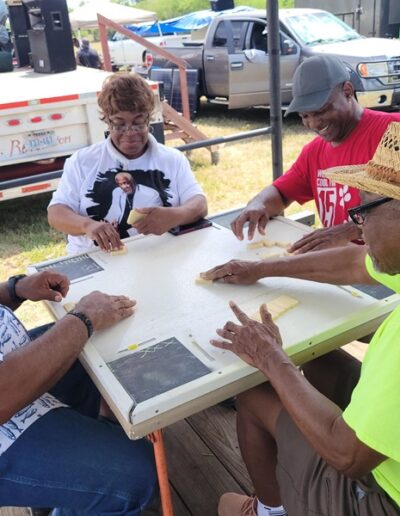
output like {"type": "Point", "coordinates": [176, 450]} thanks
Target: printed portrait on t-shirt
{"type": "Point", "coordinates": [116, 192]}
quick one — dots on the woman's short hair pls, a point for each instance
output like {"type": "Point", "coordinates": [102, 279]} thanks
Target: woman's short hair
{"type": "Point", "coordinates": [125, 92]}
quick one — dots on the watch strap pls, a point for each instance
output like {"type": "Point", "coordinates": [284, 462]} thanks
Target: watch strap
{"type": "Point", "coordinates": [86, 321]}
{"type": "Point", "coordinates": [11, 283]}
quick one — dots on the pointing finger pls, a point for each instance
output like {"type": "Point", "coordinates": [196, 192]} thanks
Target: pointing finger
{"type": "Point", "coordinates": [265, 315]}
{"type": "Point", "coordinates": [241, 316]}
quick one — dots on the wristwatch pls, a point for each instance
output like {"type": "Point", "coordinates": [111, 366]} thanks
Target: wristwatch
{"type": "Point", "coordinates": [11, 283]}
{"type": "Point", "coordinates": [86, 321]}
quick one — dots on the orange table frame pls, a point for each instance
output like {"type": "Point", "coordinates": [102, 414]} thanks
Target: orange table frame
{"type": "Point", "coordinates": [156, 438]}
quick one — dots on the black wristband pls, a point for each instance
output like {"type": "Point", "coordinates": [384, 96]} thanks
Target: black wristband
{"type": "Point", "coordinates": [12, 281]}
{"type": "Point", "coordinates": [86, 321]}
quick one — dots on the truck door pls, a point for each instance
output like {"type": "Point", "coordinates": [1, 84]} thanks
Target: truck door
{"type": "Point", "coordinates": [249, 72]}
{"type": "Point", "coordinates": [228, 36]}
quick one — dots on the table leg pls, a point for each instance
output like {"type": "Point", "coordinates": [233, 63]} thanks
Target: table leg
{"type": "Point", "coordinates": [162, 472]}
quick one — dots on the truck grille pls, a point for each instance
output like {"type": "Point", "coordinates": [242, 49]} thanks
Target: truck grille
{"type": "Point", "coordinates": [394, 71]}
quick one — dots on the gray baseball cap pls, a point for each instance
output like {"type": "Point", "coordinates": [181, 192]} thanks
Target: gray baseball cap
{"type": "Point", "coordinates": [314, 81]}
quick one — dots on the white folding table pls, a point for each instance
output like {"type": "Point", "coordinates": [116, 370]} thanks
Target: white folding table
{"type": "Point", "coordinates": [158, 366]}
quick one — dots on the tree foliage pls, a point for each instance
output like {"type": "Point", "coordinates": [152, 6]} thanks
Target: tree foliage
{"type": "Point", "coordinates": [166, 10]}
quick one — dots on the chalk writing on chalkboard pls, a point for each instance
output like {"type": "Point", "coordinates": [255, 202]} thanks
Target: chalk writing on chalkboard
{"type": "Point", "coordinates": [157, 369]}
{"type": "Point", "coordinates": [73, 267]}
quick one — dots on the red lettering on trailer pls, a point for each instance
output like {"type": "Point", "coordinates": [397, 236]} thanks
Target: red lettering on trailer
{"type": "Point", "coordinates": [63, 140]}
{"type": "Point", "coordinates": [17, 147]}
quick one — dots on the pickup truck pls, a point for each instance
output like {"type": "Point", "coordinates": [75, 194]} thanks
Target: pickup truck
{"type": "Point", "coordinates": [44, 118]}
{"type": "Point", "coordinates": [233, 61]}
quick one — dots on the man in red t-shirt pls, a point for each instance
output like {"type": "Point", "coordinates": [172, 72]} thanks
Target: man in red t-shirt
{"type": "Point", "coordinates": [346, 134]}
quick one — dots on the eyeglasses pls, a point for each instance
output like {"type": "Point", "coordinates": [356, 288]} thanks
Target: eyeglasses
{"type": "Point", "coordinates": [124, 128]}
{"type": "Point", "coordinates": [359, 213]}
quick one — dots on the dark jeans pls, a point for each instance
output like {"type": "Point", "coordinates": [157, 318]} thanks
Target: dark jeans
{"type": "Point", "coordinates": [71, 460]}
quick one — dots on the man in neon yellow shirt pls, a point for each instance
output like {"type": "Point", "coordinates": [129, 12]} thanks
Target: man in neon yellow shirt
{"type": "Point", "coordinates": [308, 447]}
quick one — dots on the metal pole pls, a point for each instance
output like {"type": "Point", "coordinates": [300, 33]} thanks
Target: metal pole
{"type": "Point", "coordinates": [359, 12]}
{"type": "Point", "coordinates": [224, 139]}
{"type": "Point", "coordinates": [275, 86]}
{"type": "Point", "coordinates": [374, 20]}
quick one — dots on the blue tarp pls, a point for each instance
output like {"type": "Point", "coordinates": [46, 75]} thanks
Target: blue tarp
{"type": "Point", "coordinates": [186, 23]}
{"type": "Point", "coordinates": [155, 29]}
{"type": "Point", "coordinates": [200, 19]}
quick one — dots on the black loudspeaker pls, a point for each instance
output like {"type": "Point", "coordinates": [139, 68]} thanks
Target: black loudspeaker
{"type": "Point", "coordinates": [19, 23]}
{"type": "Point", "coordinates": [50, 36]}
{"type": "Point", "coordinates": [221, 5]}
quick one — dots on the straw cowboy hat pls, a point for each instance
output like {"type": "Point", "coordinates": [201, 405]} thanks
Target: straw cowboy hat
{"type": "Point", "coordinates": [381, 175]}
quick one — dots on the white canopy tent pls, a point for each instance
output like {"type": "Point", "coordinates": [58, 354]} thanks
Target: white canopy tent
{"type": "Point", "coordinates": [85, 17]}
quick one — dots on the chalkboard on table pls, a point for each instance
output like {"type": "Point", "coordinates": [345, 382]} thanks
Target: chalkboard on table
{"type": "Point", "coordinates": [73, 267]}
{"type": "Point", "coordinates": [376, 291]}
{"type": "Point", "coordinates": [157, 369]}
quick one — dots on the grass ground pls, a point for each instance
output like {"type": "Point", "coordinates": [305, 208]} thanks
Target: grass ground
{"type": "Point", "coordinates": [244, 169]}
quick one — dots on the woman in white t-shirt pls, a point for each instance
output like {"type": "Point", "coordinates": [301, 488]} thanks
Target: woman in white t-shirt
{"type": "Point", "coordinates": [91, 203]}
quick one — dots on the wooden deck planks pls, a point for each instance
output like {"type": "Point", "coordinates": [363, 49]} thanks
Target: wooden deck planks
{"type": "Point", "coordinates": [198, 472]}
{"type": "Point", "coordinates": [217, 427]}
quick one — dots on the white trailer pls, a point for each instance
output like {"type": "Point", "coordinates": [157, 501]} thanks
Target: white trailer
{"type": "Point", "coordinates": [44, 118]}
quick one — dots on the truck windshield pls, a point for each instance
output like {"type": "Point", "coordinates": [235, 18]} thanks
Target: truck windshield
{"type": "Point", "coordinates": [319, 28]}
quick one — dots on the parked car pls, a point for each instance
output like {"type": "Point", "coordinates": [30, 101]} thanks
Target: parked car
{"type": "Point", "coordinates": [233, 59]}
